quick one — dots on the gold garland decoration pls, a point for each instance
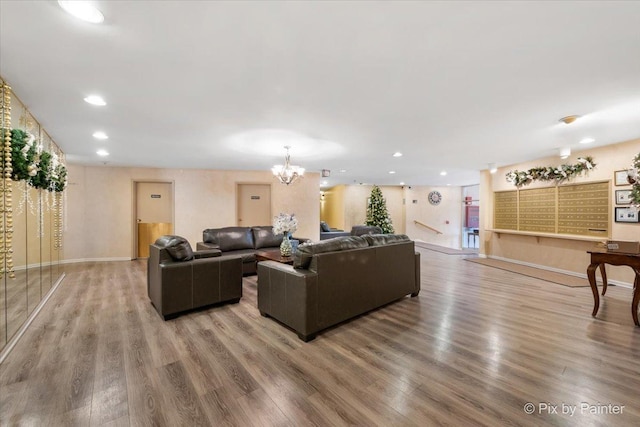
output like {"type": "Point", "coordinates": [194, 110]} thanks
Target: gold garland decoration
{"type": "Point", "coordinates": [57, 220]}
{"type": "Point", "coordinates": [6, 226]}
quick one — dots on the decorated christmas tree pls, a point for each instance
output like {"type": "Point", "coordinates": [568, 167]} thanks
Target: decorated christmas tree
{"type": "Point", "coordinates": [377, 213]}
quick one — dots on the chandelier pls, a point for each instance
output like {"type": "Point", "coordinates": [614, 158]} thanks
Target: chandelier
{"type": "Point", "coordinates": [287, 174]}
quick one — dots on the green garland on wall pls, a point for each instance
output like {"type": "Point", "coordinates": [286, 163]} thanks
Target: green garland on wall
{"type": "Point", "coordinates": [60, 182]}
{"type": "Point", "coordinates": [42, 178]}
{"type": "Point", "coordinates": [635, 189]}
{"type": "Point", "coordinates": [23, 155]}
{"type": "Point", "coordinates": [40, 169]}
{"type": "Point", "coordinates": [551, 173]}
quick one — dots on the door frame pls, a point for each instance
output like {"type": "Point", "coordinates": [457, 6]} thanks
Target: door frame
{"type": "Point", "coordinates": [134, 209]}
{"type": "Point", "coordinates": [237, 191]}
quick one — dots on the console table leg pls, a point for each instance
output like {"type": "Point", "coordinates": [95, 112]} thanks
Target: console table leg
{"type": "Point", "coordinates": [604, 279]}
{"type": "Point", "coordinates": [636, 298]}
{"type": "Point", "coordinates": [591, 274]}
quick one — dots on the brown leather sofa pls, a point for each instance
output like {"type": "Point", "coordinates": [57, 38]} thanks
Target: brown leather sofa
{"type": "Point", "coordinates": [361, 230]}
{"type": "Point", "coordinates": [242, 241]}
{"type": "Point", "coordinates": [356, 230]}
{"type": "Point", "coordinates": [179, 279]}
{"type": "Point", "coordinates": [327, 232]}
{"type": "Point", "coordinates": [337, 279]}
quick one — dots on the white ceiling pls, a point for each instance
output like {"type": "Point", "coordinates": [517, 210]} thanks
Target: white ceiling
{"type": "Point", "coordinates": [225, 85]}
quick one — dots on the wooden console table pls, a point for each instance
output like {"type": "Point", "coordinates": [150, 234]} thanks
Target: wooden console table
{"type": "Point", "coordinates": [273, 255]}
{"type": "Point", "coordinates": [599, 259]}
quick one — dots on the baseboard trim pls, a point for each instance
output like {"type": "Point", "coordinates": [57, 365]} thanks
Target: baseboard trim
{"type": "Point", "coordinates": [14, 340]}
{"type": "Point", "coordinates": [109, 259]}
{"type": "Point", "coordinates": [37, 265]}
{"type": "Point", "coordinates": [559, 270]}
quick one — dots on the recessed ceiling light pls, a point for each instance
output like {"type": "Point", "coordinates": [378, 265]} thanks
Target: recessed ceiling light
{"type": "Point", "coordinates": [397, 154]}
{"type": "Point", "coordinates": [102, 153]}
{"type": "Point", "coordinates": [100, 135]}
{"type": "Point", "coordinates": [95, 100]}
{"type": "Point", "coordinates": [587, 141]}
{"type": "Point", "coordinates": [82, 10]}
{"type": "Point", "coordinates": [565, 152]}
{"type": "Point", "coordinates": [448, 185]}
{"type": "Point", "coordinates": [443, 173]}
{"type": "Point", "coordinates": [342, 170]}
{"type": "Point", "coordinates": [569, 119]}
{"type": "Point", "coordinates": [392, 172]}
{"type": "Point", "coordinates": [323, 183]}
{"type": "Point", "coordinates": [402, 183]}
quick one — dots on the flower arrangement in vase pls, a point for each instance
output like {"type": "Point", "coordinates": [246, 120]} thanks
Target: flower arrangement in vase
{"type": "Point", "coordinates": [285, 224]}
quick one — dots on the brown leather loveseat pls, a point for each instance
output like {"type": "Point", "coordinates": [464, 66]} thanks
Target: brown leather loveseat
{"type": "Point", "coordinates": [179, 279]}
{"type": "Point", "coordinates": [243, 241]}
{"type": "Point", "coordinates": [337, 279]}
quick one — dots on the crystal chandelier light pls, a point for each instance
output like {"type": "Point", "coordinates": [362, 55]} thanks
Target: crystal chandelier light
{"type": "Point", "coordinates": [287, 174]}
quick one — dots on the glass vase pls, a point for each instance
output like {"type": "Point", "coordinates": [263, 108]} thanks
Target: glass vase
{"type": "Point", "coordinates": [285, 246]}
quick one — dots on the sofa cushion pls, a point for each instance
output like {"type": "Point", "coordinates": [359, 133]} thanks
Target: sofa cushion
{"type": "Point", "coordinates": [203, 246]}
{"type": "Point", "coordinates": [247, 255]}
{"type": "Point", "coordinates": [360, 230]}
{"type": "Point", "coordinates": [263, 237]}
{"type": "Point", "coordinates": [210, 235]}
{"type": "Point", "coordinates": [324, 226]}
{"type": "Point", "coordinates": [385, 239]}
{"type": "Point", "coordinates": [234, 238]}
{"type": "Point", "coordinates": [302, 257]}
{"type": "Point", "coordinates": [178, 247]}
{"type": "Point", "coordinates": [207, 253]}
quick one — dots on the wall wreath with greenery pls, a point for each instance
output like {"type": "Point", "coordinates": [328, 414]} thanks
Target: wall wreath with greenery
{"type": "Point", "coordinates": [550, 173]}
{"type": "Point", "coordinates": [30, 163]}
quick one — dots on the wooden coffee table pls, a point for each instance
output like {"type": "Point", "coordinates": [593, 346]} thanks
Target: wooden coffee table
{"type": "Point", "coordinates": [273, 255]}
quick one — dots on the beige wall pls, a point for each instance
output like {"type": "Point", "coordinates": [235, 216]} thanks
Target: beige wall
{"type": "Point", "coordinates": [445, 217]}
{"type": "Point", "coordinates": [561, 254]}
{"type": "Point", "coordinates": [332, 207]}
{"type": "Point", "coordinates": [99, 222]}
{"type": "Point", "coordinates": [355, 205]}
{"type": "Point", "coordinates": [346, 205]}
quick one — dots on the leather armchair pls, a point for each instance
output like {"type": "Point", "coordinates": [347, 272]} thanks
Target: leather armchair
{"type": "Point", "coordinates": [179, 279]}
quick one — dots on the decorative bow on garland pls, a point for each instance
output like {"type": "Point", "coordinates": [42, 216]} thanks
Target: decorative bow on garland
{"type": "Point", "coordinates": [550, 173]}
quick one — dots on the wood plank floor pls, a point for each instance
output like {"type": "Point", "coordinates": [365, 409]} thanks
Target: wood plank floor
{"type": "Point", "coordinates": [472, 349]}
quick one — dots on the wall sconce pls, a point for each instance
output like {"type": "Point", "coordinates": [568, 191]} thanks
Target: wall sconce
{"type": "Point", "coordinates": [492, 168]}
{"type": "Point", "coordinates": [565, 152]}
